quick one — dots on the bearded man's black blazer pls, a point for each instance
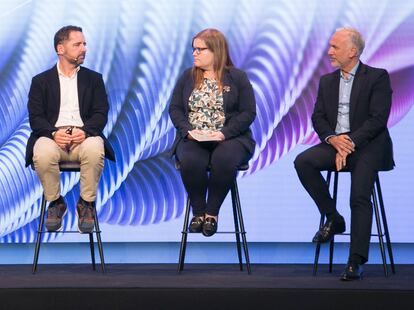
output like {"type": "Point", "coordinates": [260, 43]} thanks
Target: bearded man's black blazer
{"type": "Point", "coordinates": [44, 106]}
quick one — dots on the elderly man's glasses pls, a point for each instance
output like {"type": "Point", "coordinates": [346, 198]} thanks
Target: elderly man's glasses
{"type": "Point", "coordinates": [198, 50]}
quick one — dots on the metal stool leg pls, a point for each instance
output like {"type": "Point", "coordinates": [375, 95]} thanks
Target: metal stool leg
{"type": "Point", "coordinates": [318, 248]}
{"type": "Point", "coordinates": [379, 231]}
{"type": "Point", "coordinates": [92, 247]}
{"type": "Point", "coordinates": [184, 233]}
{"type": "Point", "coordinates": [331, 252]}
{"type": "Point", "coordinates": [39, 234]}
{"type": "Point", "coordinates": [236, 227]}
{"type": "Point", "coordinates": [335, 198]}
{"type": "Point", "coordinates": [98, 238]}
{"type": "Point", "coordinates": [331, 244]}
{"type": "Point", "coordinates": [385, 223]}
{"type": "Point", "coordinates": [316, 260]}
{"type": "Point", "coordinates": [335, 190]}
{"type": "Point", "coordinates": [242, 229]}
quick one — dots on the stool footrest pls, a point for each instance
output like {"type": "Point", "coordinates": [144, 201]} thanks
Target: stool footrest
{"type": "Point", "coordinates": [68, 232]}
{"type": "Point", "coordinates": [218, 232]}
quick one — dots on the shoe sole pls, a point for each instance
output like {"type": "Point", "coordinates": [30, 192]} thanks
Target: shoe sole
{"type": "Point", "coordinates": [208, 233]}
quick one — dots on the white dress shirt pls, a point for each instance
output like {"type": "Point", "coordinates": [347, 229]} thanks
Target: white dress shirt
{"type": "Point", "coordinates": [69, 113]}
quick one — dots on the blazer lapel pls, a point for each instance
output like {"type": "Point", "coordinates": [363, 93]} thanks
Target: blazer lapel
{"type": "Point", "coordinates": [188, 89]}
{"type": "Point", "coordinates": [227, 89]}
{"type": "Point", "coordinates": [333, 89]}
{"type": "Point", "coordinates": [82, 84]}
{"type": "Point", "coordinates": [357, 85]}
{"type": "Point", "coordinates": [55, 88]}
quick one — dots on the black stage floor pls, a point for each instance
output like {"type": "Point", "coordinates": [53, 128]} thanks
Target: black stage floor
{"type": "Point", "coordinates": [159, 286]}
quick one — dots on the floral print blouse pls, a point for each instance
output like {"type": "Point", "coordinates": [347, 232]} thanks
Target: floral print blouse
{"type": "Point", "coordinates": [205, 104]}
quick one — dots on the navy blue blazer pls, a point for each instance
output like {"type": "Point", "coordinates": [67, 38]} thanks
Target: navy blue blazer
{"type": "Point", "coordinates": [44, 106]}
{"type": "Point", "coordinates": [238, 101]}
{"type": "Point", "coordinates": [370, 106]}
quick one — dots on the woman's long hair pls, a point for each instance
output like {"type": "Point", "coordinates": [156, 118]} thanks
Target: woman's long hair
{"type": "Point", "coordinates": [217, 44]}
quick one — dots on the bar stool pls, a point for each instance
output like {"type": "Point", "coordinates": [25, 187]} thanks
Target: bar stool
{"type": "Point", "coordinates": [380, 219]}
{"type": "Point", "coordinates": [69, 167]}
{"type": "Point", "coordinates": [238, 225]}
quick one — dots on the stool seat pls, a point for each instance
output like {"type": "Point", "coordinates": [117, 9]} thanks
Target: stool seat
{"type": "Point", "coordinates": [242, 167]}
{"type": "Point", "coordinates": [68, 166]}
{"type": "Point", "coordinates": [380, 219]}
{"type": "Point", "coordinates": [238, 224]}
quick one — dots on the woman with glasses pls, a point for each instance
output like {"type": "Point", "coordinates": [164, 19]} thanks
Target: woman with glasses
{"type": "Point", "coordinates": [212, 108]}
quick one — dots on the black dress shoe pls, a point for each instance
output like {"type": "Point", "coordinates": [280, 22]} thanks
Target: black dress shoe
{"type": "Point", "coordinates": [196, 224]}
{"type": "Point", "coordinates": [353, 271]}
{"type": "Point", "coordinates": [329, 229]}
{"type": "Point", "coordinates": [209, 227]}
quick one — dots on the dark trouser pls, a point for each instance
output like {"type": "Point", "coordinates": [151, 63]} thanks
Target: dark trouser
{"type": "Point", "coordinates": [224, 159]}
{"type": "Point", "coordinates": [309, 165]}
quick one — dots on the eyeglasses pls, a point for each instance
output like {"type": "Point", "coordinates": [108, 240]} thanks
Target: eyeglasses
{"type": "Point", "coordinates": [198, 50]}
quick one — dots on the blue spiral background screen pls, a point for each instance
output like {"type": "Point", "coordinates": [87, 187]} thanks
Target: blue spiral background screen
{"type": "Point", "coordinates": [141, 48]}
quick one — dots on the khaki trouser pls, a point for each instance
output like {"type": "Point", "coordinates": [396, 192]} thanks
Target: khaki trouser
{"type": "Point", "coordinates": [47, 155]}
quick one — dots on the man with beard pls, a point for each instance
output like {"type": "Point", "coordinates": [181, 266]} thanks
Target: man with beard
{"type": "Point", "coordinates": [68, 110]}
{"type": "Point", "coordinates": [350, 118]}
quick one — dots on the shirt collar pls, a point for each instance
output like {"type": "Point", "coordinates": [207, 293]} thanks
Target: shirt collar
{"type": "Point", "coordinates": [60, 72]}
{"type": "Point", "coordinates": [352, 72]}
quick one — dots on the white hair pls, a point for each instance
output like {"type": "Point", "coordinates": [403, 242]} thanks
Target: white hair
{"type": "Point", "coordinates": [356, 38]}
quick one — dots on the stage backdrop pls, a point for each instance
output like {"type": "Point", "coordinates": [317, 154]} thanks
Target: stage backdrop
{"type": "Point", "coordinates": [141, 48]}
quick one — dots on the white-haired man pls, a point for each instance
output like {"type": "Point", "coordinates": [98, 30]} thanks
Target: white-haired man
{"type": "Point", "coordinates": [350, 117]}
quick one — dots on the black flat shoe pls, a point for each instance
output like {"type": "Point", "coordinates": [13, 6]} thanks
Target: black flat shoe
{"type": "Point", "coordinates": [353, 271]}
{"type": "Point", "coordinates": [329, 229]}
{"type": "Point", "coordinates": [196, 224]}
{"type": "Point", "coordinates": [209, 227]}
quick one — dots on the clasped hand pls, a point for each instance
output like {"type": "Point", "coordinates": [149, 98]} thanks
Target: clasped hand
{"type": "Point", "coordinates": [213, 135]}
{"type": "Point", "coordinates": [66, 141]}
{"type": "Point", "coordinates": [344, 146]}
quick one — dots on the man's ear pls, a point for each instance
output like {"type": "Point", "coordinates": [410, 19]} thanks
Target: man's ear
{"type": "Point", "coordinates": [60, 49]}
{"type": "Point", "coordinates": [354, 52]}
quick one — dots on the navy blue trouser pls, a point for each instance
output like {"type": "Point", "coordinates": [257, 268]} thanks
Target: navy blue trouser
{"type": "Point", "coordinates": [309, 165]}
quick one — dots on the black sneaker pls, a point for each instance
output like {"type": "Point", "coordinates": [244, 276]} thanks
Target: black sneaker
{"type": "Point", "coordinates": [86, 216]}
{"type": "Point", "coordinates": [55, 213]}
